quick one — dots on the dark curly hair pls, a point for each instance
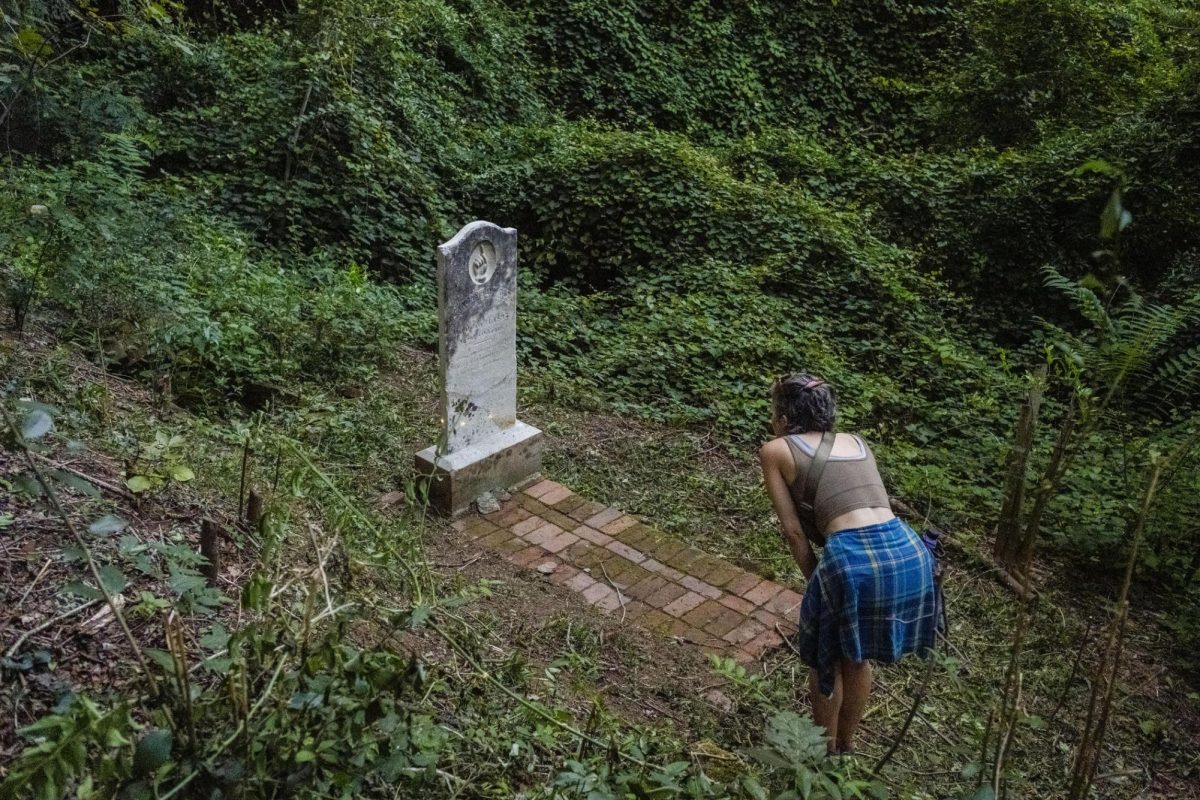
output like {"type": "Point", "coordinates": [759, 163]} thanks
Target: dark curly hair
{"type": "Point", "coordinates": [806, 402]}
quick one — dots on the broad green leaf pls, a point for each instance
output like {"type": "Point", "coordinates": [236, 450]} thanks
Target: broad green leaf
{"type": "Point", "coordinates": [181, 473]}
{"type": "Point", "coordinates": [114, 580]}
{"type": "Point", "coordinates": [153, 750]}
{"type": "Point", "coordinates": [36, 425]}
{"type": "Point", "coordinates": [81, 589]}
{"type": "Point", "coordinates": [162, 658]}
{"type": "Point", "coordinates": [984, 792]}
{"type": "Point", "coordinates": [138, 483]}
{"type": "Point", "coordinates": [81, 485]}
{"type": "Point", "coordinates": [305, 755]}
{"type": "Point", "coordinates": [1110, 217]}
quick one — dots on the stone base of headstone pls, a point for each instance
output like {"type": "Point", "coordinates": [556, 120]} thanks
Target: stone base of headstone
{"type": "Point", "coordinates": [496, 464]}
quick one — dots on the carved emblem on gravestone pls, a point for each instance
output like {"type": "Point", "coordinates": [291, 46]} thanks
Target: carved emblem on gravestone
{"type": "Point", "coordinates": [483, 447]}
{"type": "Point", "coordinates": [483, 262]}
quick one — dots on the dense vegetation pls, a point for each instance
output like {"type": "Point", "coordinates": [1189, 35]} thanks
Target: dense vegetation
{"type": "Point", "coordinates": [237, 204]}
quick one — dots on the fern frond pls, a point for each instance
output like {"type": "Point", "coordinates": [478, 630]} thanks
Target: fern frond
{"type": "Point", "coordinates": [1086, 301]}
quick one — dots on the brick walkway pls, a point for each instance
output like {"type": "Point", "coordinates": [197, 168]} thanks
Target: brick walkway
{"type": "Point", "coordinates": [633, 572]}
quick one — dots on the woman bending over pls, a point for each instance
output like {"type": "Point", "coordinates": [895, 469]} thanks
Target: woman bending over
{"type": "Point", "coordinates": [871, 595]}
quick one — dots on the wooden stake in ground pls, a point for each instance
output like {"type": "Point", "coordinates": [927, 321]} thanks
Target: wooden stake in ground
{"type": "Point", "coordinates": [1087, 757]}
{"type": "Point", "coordinates": [1007, 548]}
{"type": "Point", "coordinates": [210, 548]}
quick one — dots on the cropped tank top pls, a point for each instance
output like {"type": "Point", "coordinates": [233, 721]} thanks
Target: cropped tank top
{"type": "Point", "coordinates": [848, 483]}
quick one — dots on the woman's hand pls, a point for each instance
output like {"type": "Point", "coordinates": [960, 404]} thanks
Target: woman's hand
{"type": "Point", "coordinates": [772, 457]}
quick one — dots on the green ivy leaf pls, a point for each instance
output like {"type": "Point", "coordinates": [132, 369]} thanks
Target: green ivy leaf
{"type": "Point", "coordinates": [181, 473]}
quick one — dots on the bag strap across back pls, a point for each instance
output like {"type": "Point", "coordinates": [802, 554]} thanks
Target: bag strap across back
{"type": "Point", "coordinates": [817, 468]}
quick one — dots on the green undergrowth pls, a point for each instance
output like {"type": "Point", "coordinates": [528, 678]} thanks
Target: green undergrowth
{"type": "Point", "coordinates": [353, 711]}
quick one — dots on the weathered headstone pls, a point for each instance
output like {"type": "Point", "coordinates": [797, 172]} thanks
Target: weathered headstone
{"type": "Point", "coordinates": [483, 446]}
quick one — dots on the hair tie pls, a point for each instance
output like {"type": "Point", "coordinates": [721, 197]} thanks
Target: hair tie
{"type": "Point", "coordinates": [813, 384]}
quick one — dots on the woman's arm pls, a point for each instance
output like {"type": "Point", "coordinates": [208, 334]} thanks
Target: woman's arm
{"type": "Point", "coordinates": [789, 521]}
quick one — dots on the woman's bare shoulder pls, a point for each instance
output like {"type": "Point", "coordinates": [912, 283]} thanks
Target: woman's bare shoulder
{"type": "Point", "coordinates": [774, 452]}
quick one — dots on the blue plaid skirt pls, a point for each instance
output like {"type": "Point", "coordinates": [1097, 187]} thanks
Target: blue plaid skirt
{"type": "Point", "coordinates": [872, 596]}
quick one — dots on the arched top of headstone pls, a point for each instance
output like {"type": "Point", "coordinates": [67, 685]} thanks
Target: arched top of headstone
{"type": "Point", "coordinates": [472, 232]}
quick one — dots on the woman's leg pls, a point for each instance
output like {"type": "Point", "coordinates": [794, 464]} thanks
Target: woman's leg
{"type": "Point", "coordinates": [855, 688]}
{"type": "Point", "coordinates": [826, 709]}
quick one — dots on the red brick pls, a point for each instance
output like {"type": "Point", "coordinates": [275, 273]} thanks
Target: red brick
{"type": "Point", "coordinates": [564, 575]}
{"type": "Point", "coordinates": [511, 545]}
{"type": "Point", "coordinates": [724, 622]}
{"type": "Point", "coordinates": [527, 525]}
{"type": "Point", "coordinates": [569, 504]}
{"type": "Point", "coordinates": [625, 551]}
{"type": "Point", "coordinates": [705, 564]}
{"type": "Point", "coordinates": [723, 575]}
{"type": "Point", "coordinates": [763, 593]}
{"type": "Point", "coordinates": [611, 603]}
{"type": "Point", "coordinates": [618, 525]}
{"type": "Point", "coordinates": [630, 577]}
{"type": "Point", "coordinates": [505, 507]}
{"type": "Point", "coordinates": [700, 587]}
{"type": "Point", "coordinates": [744, 582]}
{"type": "Point", "coordinates": [559, 519]}
{"type": "Point", "coordinates": [768, 619]}
{"type": "Point", "coordinates": [585, 511]}
{"type": "Point", "coordinates": [665, 595]}
{"type": "Point", "coordinates": [656, 620]}
{"type": "Point", "coordinates": [679, 607]}
{"type": "Point", "coordinates": [531, 505]}
{"type": "Point", "coordinates": [538, 489]}
{"type": "Point", "coordinates": [593, 557]}
{"type": "Point", "coordinates": [526, 557]}
{"type": "Point", "coordinates": [678, 628]}
{"type": "Point", "coordinates": [477, 527]}
{"type": "Point", "coordinates": [635, 610]}
{"type": "Point", "coordinates": [767, 640]}
{"type": "Point", "coordinates": [580, 582]}
{"type": "Point", "coordinates": [576, 551]}
{"type": "Point", "coordinates": [646, 587]}
{"type": "Point", "coordinates": [744, 632]}
{"type": "Point", "coordinates": [635, 535]}
{"type": "Point", "coordinates": [544, 533]}
{"type": "Point", "coordinates": [598, 591]}
{"type": "Point", "coordinates": [602, 518]}
{"type": "Point", "coordinates": [667, 548]}
{"type": "Point", "coordinates": [496, 538]}
{"type": "Point", "coordinates": [684, 558]}
{"type": "Point", "coordinates": [670, 573]}
{"type": "Point", "coordinates": [510, 518]}
{"type": "Point", "coordinates": [736, 603]}
{"type": "Point", "coordinates": [592, 535]}
{"type": "Point", "coordinates": [742, 657]}
{"type": "Point", "coordinates": [786, 603]}
{"type": "Point", "coordinates": [705, 613]}
{"type": "Point", "coordinates": [561, 542]}
{"type": "Point", "coordinates": [555, 496]}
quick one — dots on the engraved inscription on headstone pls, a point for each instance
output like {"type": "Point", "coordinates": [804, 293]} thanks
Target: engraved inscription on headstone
{"type": "Point", "coordinates": [483, 447]}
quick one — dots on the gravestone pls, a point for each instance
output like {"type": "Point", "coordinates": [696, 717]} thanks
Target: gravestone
{"type": "Point", "coordinates": [483, 447]}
